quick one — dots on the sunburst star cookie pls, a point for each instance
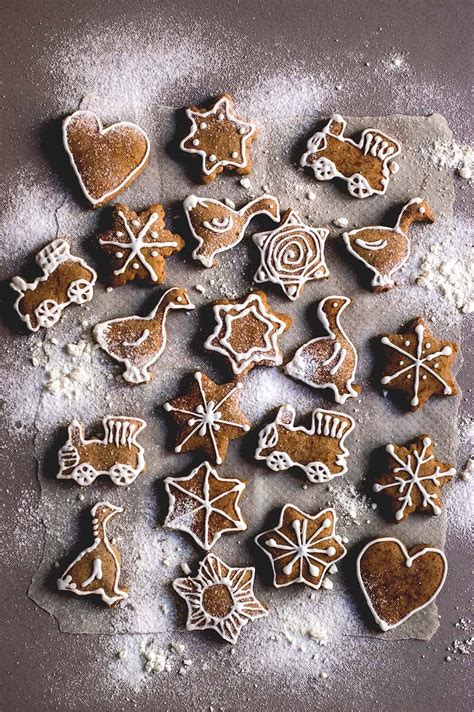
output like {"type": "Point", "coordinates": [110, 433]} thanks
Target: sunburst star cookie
{"type": "Point", "coordinates": [220, 138]}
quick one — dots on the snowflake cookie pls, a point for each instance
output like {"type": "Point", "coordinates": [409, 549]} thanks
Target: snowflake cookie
{"type": "Point", "coordinates": [247, 332]}
{"type": "Point", "coordinates": [418, 365]}
{"type": "Point", "coordinates": [385, 249]}
{"type": "Point", "coordinates": [318, 450]}
{"type": "Point", "coordinates": [302, 547]}
{"type": "Point", "coordinates": [208, 417]}
{"type": "Point", "coordinates": [117, 454]}
{"type": "Point", "coordinates": [291, 254]}
{"type": "Point", "coordinates": [220, 598]}
{"type": "Point", "coordinates": [204, 505]}
{"type": "Point", "coordinates": [328, 361]}
{"type": "Point", "coordinates": [414, 478]}
{"type": "Point", "coordinates": [138, 243]}
{"type": "Point", "coordinates": [96, 571]}
{"type": "Point", "coordinates": [220, 138]}
{"type": "Point", "coordinates": [397, 582]}
{"type": "Point", "coordinates": [105, 161]}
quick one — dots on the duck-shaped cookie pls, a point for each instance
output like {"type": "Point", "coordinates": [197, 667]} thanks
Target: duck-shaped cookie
{"type": "Point", "coordinates": [385, 249]}
{"type": "Point", "coordinates": [138, 341]}
{"type": "Point", "coordinates": [217, 227]}
{"type": "Point", "coordinates": [328, 361]}
{"type": "Point", "coordinates": [96, 571]}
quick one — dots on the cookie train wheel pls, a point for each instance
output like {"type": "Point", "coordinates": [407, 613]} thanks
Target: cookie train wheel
{"type": "Point", "coordinates": [84, 474]}
{"type": "Point", "coordinates": [324, 169]}
{"type": "Point", "coordinates": [279, 461]}
{"type": "Point", "coordinates": [358, 186]}
{"type": "Point", "coordinates": [80, 291]}
{"type": "Point", "coordinates": [318, 472]}
{"type": "Point", "coordinates": [122, 475]}
{"type": "Point", "coordinates": [47, 313]}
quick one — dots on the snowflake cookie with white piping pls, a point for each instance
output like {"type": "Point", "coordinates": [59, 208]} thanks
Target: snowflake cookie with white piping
{"type": "Point", "coordinates": [302, 547]}
{"type": "Point", "coordinates": [205, 505]}
{"type": "Point", "coordinates": [138, 243]}
{"type": "Point", "coordinates": [220, 138]}
{"type": "Point", "coordinates": [208, 417]}
{"type": "Point", "coordinates": [413, 478]}
{"type": "Point", "coordinates": [291, 254]}
{"type": "Point", "coordinates": [418, 365]}
{"type": "Point", "coordinates": [247, 332]}
{"type": "Point", "coordinates": [220, 598]}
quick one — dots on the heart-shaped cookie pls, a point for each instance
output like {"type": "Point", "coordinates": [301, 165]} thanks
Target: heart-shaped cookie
{"type": "Point", "coordinates": [396, 582]}
{"type": "Point", "coordinates": [105, 160]}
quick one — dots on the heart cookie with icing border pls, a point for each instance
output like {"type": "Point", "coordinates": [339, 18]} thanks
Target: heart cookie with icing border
{"type": "Point", "coordinates": [105, 160]}
{"type": "Point", "coordinates": [396, 582]}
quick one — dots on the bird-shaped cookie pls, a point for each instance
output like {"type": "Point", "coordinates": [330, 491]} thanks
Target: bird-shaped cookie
{"type": "Point", "coordinates": [328, 361]}
{"type": "Point", "coordinates": [385, 249]}
{"type": "Point", "coordinates": [138, 341]}
{"type": "Point", "coordinates": [96, 571]}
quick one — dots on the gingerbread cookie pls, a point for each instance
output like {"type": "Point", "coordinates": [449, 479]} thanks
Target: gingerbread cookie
{"type": "Point", "coordinates": [138, 243]}
{"type": "Point", "coordinates": [208, 417]}
{"type": "Point", "coordinates": [66, 279]}
{"type": "Point", "coordinates": [364, 166]}
{"type": "Point", "coordinates": [139, 341]}
{"type": "Point", "coordinates": [291, 254]}
{"type": "Point", "coordinates": [220, 138]}
{"type": "Point", "coordinates": [117, 454]}
{"type": "Point", "coordinates": [328, 361]}
{"type": "Point", "coordinates": [105, 161]}
{"type": "Point", "coordinates": [385, 249]}
{"type": "Point", "coordinates": [204, 505]}
{"type": "Point", "coordinates": [413, 478]}
{"type": "Point", "coordinates": [396, 582]}
{"type": "Point", "coordinates": [302, 547]}
{"type": "Point", "coordinates": [418, 365]}
{"type": "Point", "coordinates": [220, 598]}
{"type": "Point", "coordinates": [247, 332]}
{"type": "Point", "coordinates": [217, 228]}
{"type": "Point", "coordinates": [97, 569]}
{"type": "Point", "coordinates": [318, 450]}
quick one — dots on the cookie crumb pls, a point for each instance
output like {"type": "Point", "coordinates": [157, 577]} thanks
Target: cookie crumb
{"type": "Point", "coordinates": [245, 182]}
{"type": "Point", "coordinates": [340, 222]}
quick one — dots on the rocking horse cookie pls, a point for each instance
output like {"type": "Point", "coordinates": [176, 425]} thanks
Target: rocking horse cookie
{"type": "Point", "coordinates": [97, 569]}
{"type": "Point", "coordinates": [328, 361]}
{"type": "Point", "coordinates": [220, 138]}
{"type": "Point", "coordinates": [385, 249]}
{"type": "Point", "coordinates": [66, 280]}
{"type": "Point", "coordinates": [138, 341]}
{"type": "Point", "coordinates": [217, 227]}
{"type": "Point", "coordinates": [364, 166]}
{"type": "Point", "coordinates": [117, 454]}
{"type": "Point", "coordinates": [318, 450]}
{"type": "Point", "coordinates": [105, 160]}
{"type": "Point", "coordinates": [137, 245]}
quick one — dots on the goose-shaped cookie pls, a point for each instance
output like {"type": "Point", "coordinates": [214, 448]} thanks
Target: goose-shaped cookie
{"type": "Point", "coordinates": [328, 361]}
{"type": "Point", "coordinates": [96, 571]}
{"type": "Point", "coordinates": [385, 249]}
{"type": "Point", "coordinates": [138, 341]}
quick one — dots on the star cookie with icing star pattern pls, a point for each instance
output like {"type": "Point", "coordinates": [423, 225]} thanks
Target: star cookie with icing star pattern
{"type": "Point", "coordinates": [204, 505]}
{"type": "Point", "coordinates": [247, 332]}
{"type": "Point", "coordinates": [208, 417]}
{"type": "Point", "coordinates": [418, 365]}
{"type": "Point", "coordinates": [220, 138]}
{"type": "Point", "coordinates": [138, 243]}
{"type": "Point", "coordinates": [302, 547]}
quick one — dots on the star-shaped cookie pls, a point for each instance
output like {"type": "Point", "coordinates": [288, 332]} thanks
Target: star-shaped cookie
{"type": "Point", "coordinates": [418, 364]}
{"type": "Point", "coordinates": [204, 505]}
{"type": "Point", "coordinates": [208, 417]}
{"type": "Point", "coordinates": [220, 598]}
{"type": "Point", "coordinates": [413, 478]}
{"type": "Point", "coordinates": [220, 138]}
{"type": "Point", "coordinates": [247, 332]}
{"type": "Point", "coordinates": [291, 254]}
{"type": "Point", "coordinates": [138, 243]}
{"type": "Point", "coordinates": [302, 547]}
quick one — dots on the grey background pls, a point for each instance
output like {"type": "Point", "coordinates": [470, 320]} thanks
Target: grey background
{"type": "Point", "coordinates": [38, 661]}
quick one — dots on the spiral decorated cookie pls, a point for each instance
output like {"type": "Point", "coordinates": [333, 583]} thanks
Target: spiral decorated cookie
{"type": "Point", "coordinates": [220, 138]}
{"type": "Point", "coordinates": [105, 160]}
